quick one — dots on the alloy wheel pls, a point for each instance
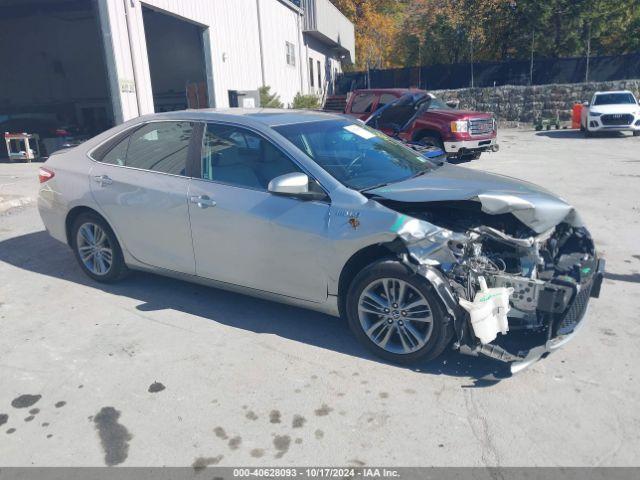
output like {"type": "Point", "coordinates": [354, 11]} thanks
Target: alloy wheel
{"type": "Point", "coordinates": [395, 315]}
{"type": "Point", "coordinates": [94, 248]}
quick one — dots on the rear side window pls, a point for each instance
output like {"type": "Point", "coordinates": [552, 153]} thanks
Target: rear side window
{"type": "Point", "coordinates": [362, 103]}
{"type": "Point", "coordinates": [159, 147]}
{"type": "Point", "coordinates": [385, 99]}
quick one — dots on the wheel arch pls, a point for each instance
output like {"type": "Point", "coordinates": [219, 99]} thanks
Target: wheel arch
{"type": "Point", "coordinates": [423, 132]}
{"type": "Point", "coordinates": [358, 261]}
{"type": "Point", "coordinates": [74, 213]}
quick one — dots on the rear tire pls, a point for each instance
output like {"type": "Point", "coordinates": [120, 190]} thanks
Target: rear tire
{"type": "Point", "coordinates": [414, 326]}
{"type": "Point", "coordinates": [97, 249]}
{"type": "Point", "coordinates": [636, 133]}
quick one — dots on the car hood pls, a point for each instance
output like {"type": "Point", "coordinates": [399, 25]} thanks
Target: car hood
{"type": "Point", "coordinates": [618, 108]}
{"type": "Point", "coordinates": [458, 114]}
{"type": "Point", "coordinates": [534, 206]}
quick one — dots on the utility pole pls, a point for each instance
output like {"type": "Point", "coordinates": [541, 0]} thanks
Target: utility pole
{"type": "Point", "coordinates": [586, 74]}
{"type": "Point", "coordinates": [533, 43]}
{"type": "Point", "coordinates": [472, 80]}
{"type": "Point", "coordinates": [419, 64]}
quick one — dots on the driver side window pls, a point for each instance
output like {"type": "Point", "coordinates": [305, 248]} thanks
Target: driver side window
{"type": "Point", "coordinates": [239, 157]}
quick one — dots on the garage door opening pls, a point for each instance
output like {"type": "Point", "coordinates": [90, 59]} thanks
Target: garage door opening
{"type": "Point", "coordinates": [176, 62]}
{"type": "Point", "coordinates": [53, 78]}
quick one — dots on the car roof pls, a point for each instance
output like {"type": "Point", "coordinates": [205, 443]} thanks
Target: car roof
{"type": "Point", "coordinates": [269, 117]}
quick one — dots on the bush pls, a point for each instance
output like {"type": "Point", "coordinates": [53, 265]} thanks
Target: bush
{"type": "Point", "coordinates": [269, 100]}
{"type": "Point", "coordinates": [306, 101]}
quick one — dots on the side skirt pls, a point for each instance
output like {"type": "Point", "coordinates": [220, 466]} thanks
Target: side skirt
{"type": "Point", "coordinates": [329, 307]}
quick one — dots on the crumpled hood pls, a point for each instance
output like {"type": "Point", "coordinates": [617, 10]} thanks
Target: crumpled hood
{"type": "Point", "coordinates": [534, 206]}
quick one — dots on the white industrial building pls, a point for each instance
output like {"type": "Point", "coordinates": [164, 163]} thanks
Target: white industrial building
{"type": "Point", "coordinates": [88, 64]}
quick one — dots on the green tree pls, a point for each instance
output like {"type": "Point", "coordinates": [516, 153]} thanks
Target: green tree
{"type": "Point", "coordinates": [268, 99]}
{"type": "Point", "coordinates": [427, 32]}
{"type": "Point", "coordinates": [309, 102]}
{"type": "Point", "coordinates": [377, 24]}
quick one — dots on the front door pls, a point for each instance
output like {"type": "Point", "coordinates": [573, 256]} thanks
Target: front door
{"type": "Point", "coordinates": [244, 235]}
{"type": "Point", "coordinates": [141, 187]}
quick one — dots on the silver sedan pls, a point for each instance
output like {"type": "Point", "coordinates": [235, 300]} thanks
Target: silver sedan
{"type": "Point", "coordinates": [322, 212]}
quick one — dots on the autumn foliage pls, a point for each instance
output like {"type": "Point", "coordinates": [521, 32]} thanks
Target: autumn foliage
{"type": "Point", "coordinates": [393, 33]}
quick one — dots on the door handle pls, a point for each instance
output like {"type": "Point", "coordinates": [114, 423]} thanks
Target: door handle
{"type": "Point", "coordinates": [203, 201]}
{"type": "Point", "coordinates": [102, 180]}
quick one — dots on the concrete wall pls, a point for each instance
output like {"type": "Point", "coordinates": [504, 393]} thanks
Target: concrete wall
{"type": "Point", "coordinates": [281, 24]}
{"type": "Point", "coordinates": [234, 34]}
{"type": "Point", "coordinates": [324, 20]}
{"type": "Point", "coordinates": [329, 64]}
{"type": "Point", "coordinates": [231, 28]}
{"type": "Point", "coordinates": [130, 88]}
{"type": "Point", "coordinates": [524, 104]}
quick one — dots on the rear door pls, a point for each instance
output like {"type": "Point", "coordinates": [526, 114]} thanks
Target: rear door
{"type": "Point", "coordinates": [141, 186]}
{"type": "Point", "coordinates": [244, 235]}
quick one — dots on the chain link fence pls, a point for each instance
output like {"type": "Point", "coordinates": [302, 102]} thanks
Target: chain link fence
{"type": "Point", "coordinates": [489, 74]}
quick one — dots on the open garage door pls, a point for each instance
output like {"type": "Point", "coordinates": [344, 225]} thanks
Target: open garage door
{"type": "Point", "coordinates": [176, 62]}
{"type": "Point", "coordinates": [53, 79]}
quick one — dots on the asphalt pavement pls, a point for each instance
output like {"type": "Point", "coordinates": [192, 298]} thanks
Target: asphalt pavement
{"type": "Point", "coordinates": [154, 371]}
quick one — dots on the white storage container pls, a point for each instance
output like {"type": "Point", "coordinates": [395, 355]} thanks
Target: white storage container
{"type": "Point", "coordinates": [488, 311]}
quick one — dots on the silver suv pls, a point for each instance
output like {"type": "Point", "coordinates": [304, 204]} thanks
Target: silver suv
{"type": "Point", "coordinates": [322, 212]}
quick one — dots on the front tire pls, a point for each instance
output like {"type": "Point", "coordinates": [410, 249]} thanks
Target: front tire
{"type": "Point", "coordinates": [471, 156]}
{"type": "Point", "coordinates": [394, 313]}
{"type": "Point", "coordinates": [636, 133]}
{"type": "Point", "coordinates": [97, 249]}
{"type": "Point", "coordinates": [431, 141]}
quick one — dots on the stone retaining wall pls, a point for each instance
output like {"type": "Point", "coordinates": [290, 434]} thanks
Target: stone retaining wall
{"type": "Point", "coordinates": [525, 104]}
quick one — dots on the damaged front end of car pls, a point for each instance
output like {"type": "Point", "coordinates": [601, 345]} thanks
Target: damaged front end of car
{"type": "Point", "coordinates": [501, 264]}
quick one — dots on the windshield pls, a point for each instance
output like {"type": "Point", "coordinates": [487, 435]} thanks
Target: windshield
{"type": "Point", "coordinates": [614, 99]}
{"type": "Point", "coordinates": [437, 104]}
{"type": "Point", "coordinates": [356, 155]}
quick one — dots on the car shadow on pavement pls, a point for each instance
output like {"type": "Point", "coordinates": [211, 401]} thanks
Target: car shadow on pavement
{"type": "Point", "coordinates": [578, 135]}
{"type": "Point", "coordinates": [39, 253]}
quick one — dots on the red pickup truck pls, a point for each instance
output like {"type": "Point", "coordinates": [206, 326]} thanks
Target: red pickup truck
{"type": "Point", "coordinates": [420, 117]}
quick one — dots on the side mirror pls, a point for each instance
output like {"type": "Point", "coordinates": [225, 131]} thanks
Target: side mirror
{"type": "Point", "coordinates": [290, 184]}
{"type": "Point", "coordinates": [452, 103]}
{"type": "Point", "coordinates": [586, 104]}
{"type": "Point", "coordinates": [296, 185]}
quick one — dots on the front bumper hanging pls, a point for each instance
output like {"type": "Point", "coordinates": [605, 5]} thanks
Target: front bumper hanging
{"type": "Point", "coordinates": [562, 322]}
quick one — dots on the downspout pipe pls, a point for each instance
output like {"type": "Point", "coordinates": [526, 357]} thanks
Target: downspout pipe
{"type": "Point", "coordinates": [260, 42]}
{"type": "Point", "coordinates": [300, 62]}
{"type": "Point", "coordinates": [134, 62]}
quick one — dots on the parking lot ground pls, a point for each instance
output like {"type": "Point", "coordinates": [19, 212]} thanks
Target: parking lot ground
{"type": "Point", "coordinates": [154, 371]}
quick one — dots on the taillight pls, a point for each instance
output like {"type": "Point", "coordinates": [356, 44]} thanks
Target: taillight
{"type": "Point", "coordinates": [44, 174]}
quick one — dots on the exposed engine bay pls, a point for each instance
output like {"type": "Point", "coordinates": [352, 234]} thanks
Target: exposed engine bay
{"type": "Point", "coordinates": [504, 276]}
